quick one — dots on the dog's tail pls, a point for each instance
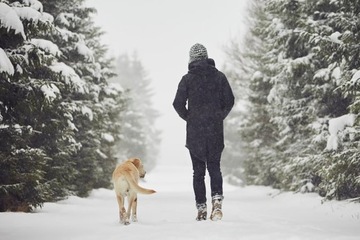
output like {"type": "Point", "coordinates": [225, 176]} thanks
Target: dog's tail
{"type": "Point", "coordinates": [139, 189]}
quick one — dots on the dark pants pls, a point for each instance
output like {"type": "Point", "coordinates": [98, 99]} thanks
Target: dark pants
{"type": "Point", "coordinates": [216, 181]}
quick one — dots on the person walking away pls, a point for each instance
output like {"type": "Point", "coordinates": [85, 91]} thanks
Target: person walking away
{"type": "Point", "coordinates": [203, 99]}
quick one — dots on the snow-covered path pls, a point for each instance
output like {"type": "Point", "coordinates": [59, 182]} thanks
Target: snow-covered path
{"type": "Point", "coordinates": [249, 213]}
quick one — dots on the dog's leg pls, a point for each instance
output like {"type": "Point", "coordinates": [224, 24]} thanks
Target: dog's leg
{"type": "Point", "coordinates": [132, 202]}
{"type": "Point", "coordinates": [133, 210]}
{"type": "Point", "coordinates": [122, 211]}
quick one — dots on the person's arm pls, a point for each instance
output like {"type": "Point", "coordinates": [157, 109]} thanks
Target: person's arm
{"type": "Point", "coordinates": [228, 98]}
{"type": "Point", "coordinates": [181, 99]}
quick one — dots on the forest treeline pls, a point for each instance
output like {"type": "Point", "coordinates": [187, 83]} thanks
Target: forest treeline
{"type": "Point", "coordinates": [62, 123]}
{"type": "Point", "coordinates": [68, 113]}
{"type": "Point", "coordinates": [297, 80]}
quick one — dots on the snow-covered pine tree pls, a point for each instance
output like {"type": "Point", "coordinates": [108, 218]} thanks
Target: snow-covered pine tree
{"type": "Point", "coordinates": [96, 103]}
{"type": "Point", "coordinates": [250, 77]}
{"type": "Point", "coordinates": [291, 103]}
{"type": "Point", "coordinates": [314, 77]}
{"type": "Point", "coordinates": [30, 107]}
{"type": "Point", "coordinates": [318, 29]}
{"type": "Point", "coordinates": [139, 137]}
{"type": "Point", "coordinates": [296, 99]}
{"type": "Point", "coordinates": [339, 37]}
{"type": "Point", "coordinates": [57, 110]}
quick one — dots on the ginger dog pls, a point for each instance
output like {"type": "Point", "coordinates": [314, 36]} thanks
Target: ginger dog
{"type": "Point", "coordinates": [125, 178]}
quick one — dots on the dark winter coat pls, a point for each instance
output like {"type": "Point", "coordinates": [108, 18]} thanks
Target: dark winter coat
{"type": "Point", "coordinates": [203, 99]}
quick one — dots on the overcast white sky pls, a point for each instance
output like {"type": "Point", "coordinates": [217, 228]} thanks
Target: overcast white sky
{"type": "Point", "coordinates": [162, 32]}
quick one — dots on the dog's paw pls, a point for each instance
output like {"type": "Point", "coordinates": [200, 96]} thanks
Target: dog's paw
{"type": "Point", "coordinates": [125, 222]}
{"type": "Point", "coordinates": [134, 218]}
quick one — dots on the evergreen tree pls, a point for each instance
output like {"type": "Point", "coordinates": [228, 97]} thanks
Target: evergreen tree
{"type": "Point", "coordinates": [293, 102]}
{"type": "Point", "coordinates": [313, 67]}
{"type": "Point", "coordinates": [97, 104]}
{"type": "Point", "coordinates": [58, 113]}
{"type": "Point", "coordinates": [340, 166]}
{"type": "Point", "coordinates": [139, 136]}
{"type": "Point", "coordinates": [251, 69]}
{"type": "Point", "coordinates": [307, 75]}
{"type": "Point", "coordinates": [29, 107]}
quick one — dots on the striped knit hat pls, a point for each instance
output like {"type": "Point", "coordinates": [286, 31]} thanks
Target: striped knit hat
{"type": "Point", "coordinates": [197, 52]}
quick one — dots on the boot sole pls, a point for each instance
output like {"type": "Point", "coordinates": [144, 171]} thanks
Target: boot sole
{"type": "Point", "coordinates": [216, 216]}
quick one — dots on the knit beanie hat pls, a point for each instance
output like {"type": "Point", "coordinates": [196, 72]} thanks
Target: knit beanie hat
{"type": "Point", "coordinates": [197, 52]}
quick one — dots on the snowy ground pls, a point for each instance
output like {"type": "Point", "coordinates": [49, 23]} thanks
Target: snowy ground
{"type": "Point", "coordinates": [249, 213]}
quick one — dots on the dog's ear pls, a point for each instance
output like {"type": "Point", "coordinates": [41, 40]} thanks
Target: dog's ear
{"type": "Point", "coordinates": [136, 162]}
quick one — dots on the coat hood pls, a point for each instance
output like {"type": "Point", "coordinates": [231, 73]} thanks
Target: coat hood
{"type": "Point", "coordinates": [202, 67]}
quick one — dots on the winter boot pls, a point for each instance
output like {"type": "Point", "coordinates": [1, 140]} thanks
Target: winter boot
{"type": "Point", "coordinates": [202, 211]}
{"type": "Point", "coordinates": [216, 213]}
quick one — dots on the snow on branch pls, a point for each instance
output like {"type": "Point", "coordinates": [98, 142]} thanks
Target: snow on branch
{"type": "Point", "coordinates": [334, 37]}
{"type": "Point", "coordinates": [35, 4]}
{"type": "Point", "coordinates": [102, 155]}
{"type": "Point", "coordinates": [69, 76]}
{"type": "Point", "coordinates": [5, 64]}
{"type": "Point", "coordinates": [83, 50]}
{"type": "Point", "coordinates": [323, 73]}
{"type": "Point", "coordinates": [113, 89]}
{"type": "Point", "coordinates": [87, 112]}
{"type": "Point", "coordinates": [9, 19]}
{"type": "Point", "coordinates": [50, 91]}
{"type": "Point", "coordinates": [355, 78]}
{"type": "Point", "coordinates": [47, 46]}
{"type": "Point", "coordinates": [107, 137]}
{"type": "Point", "coordinates": [30, 14]}
{"type": "Point", "coordinates": [65, 34]}
{"type": "Point", "coordinates": [72, 126]}
{"type": "Point", "coordinates": [301, 61]}
{"type": "Point", "coordinates": [65, 19]}
{"type": "Point", "coordinates": [336, 75]}
{"type": "Point", "coordinates": [337, 125]}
